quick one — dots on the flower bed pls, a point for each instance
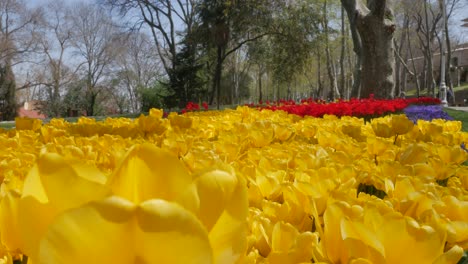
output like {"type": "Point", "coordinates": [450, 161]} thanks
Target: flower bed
{"type": "Point", "coordinates": [366, 108]}
{"type": "Point", "coordinates": [426, 112]}
{"type": "Point", "coordinates": [234, 186]}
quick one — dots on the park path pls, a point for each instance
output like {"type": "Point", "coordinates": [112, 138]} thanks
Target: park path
{"type": "Point", "coordinates": [459, 108]}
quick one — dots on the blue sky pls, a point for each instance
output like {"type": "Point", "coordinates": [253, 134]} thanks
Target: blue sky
{"type": "Point", "coordinates": [455, 27]}
{"type": "Point", "coordinates": [38, 2]}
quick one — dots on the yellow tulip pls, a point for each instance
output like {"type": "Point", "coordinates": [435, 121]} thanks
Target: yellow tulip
{"type": "Point", "coordinates": [9, 222]}
{"type": "Point", "coordinates": [25, 123]}
{"type": "Point", "coordinates": [413, 154]}
{"type": "Point", "coordinates": [290, 246]}
{"type": "Point", "coordinates": [456, 212]}
{"type": "Point", "coordinates": [353, 232]}
{"type": "Point", "coordinates": [401, 124]}
{"type": "Point", "coordinates": [223, 211]}
{"type": "Point", "coordinates": [115, 230]}
{"type": "Point", "coordinates": [179, 121]}
{"type": "Point", "coordinates": [282, 133]}
{"type": "Point", "coordinates": [148, 173]}
{"type": "Point", "coordinates": [53, 186]}
{"type": "Point", "coordinates": [382, 128]}
{"type": "Point", "coordinates": [151, 124]}
{"type": "Point", "coordinates": [261, 134]}
{"type": "Point", "coordinates": [213, 201]}
{"type": "Point", "coordinates": [452, 154]}
{"type": "Point", "coordinates": [377, 146]}
{"type": "Point", "coordinates": [157, 113]}
{"type": "Point", "coordinates": [354, 131]}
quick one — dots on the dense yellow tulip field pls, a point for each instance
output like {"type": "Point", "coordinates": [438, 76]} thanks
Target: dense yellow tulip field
{"type": "Point", "coordinates": [233, 186]}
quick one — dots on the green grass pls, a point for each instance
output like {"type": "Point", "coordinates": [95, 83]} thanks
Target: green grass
{"type": "Point", "coordinates": [460, 116]}
{"type": "Point", "coordinates": [463, 86]}
{"type": "Point", "coordinates": [7, 125]}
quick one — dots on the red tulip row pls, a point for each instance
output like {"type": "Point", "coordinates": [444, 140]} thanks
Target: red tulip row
{"type": "Point", "coordinates": [368, 107]}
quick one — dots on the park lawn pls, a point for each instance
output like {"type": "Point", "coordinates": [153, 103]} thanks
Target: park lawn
{"type": "Point", "coordinates": [7, 125]}
{"type": "Point", "coordinates": [463, 86]}
{"type": "Point", "coordinates": [460, 116]}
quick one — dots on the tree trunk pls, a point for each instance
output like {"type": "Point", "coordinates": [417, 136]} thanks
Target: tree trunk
{"type": "Point", "coordinates": [378, 61]}
{"type": "Point", "coordinates": [7, 92]}
{"type": "Point", "coordinates": [319, 77]}
{"type": "Point", "coordinates": [410, 52]}
{"type": "Point", "coordinates": [91, 101]}
{"type": "Point", "coordinates": [260, 94]}
{"type": "Point", "coordinates": [399, 71]}
{"type": "Point", "coordinates": [375, 25]}
{"type": "Point", "coordinates": [350, 7]}
{"type": "Point", "coordinates": [330, 65]}
{"type": "Point", "coordinates": [342, 87]}
{"type": "Point", "coordinates": [350, 79]}
{"type": "Point", "coordinates": [404, 79]}
{"type": "Point", "coordinates": [216, 85]}
{"type": "Point", "coordinates": [430, 82]}
{"type": "Point", "coordinates": [448, 76]}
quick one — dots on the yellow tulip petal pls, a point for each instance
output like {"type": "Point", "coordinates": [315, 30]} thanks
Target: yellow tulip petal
{"type": "Point", "coordinates": [283, 237]}
{"type": "Point", "coordinates": [9, 218]}
{"type": "Point", "coordinates": [148, 172]}
{"type": "Point", "coordinates": [333, 243]}
{"type": "Point", "coordinates": [360, 261]}
{"type": "Point", "coordinates": [401, 124]}
{"type": "Point", "coordinates": [52, 186]}
{"type": "Point", "coordinates": [115, 230]}
{"type": "Point", "coordinates": [223, 211]}
{"type": "Point", "coordinates": [404, 237]}
{"type": "Point", "coordinates": [414, 154]}
{"type": "Point", "coordinates": [361, 242]}
{"type": "Point", "coordinates": [453, 255]}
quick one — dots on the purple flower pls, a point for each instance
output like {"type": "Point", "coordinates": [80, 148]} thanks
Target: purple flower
{"type": "Point", "coordinates": [426, 112]}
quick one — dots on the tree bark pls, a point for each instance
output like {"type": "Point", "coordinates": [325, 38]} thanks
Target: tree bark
{"type": "Point", "coordinates": [376, 27]}
{"type": "Point", "coordinates": [410, 52]}
{"type": "Point", "coordinates": [7, 92]}
{"type": "Point", "coordinates": [260, 93]}
{"type": "Point", "coordinates": [350, 7]}
{"type": "Point", "coordinates": [448, 76]}
{"type": "Point", "coordinates": [350, 79]}
{"type": "Point", "coordinates": [399, 71]}
{"type": "Point", "coordinates": [319, 77]}
{"type": "Point", "coordinates": [342, 87]}
{"type": "Point", "coordinates": [430, 82]}
{"type": "Point", "coordinates": [330, 65]}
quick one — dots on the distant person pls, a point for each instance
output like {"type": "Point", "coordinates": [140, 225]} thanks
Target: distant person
{"type": "Point", "coordinates": [450, 96]}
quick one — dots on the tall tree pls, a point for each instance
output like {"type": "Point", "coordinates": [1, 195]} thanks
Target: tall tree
{"type": "Point", "coordinates": [334, 92]}
{"type": "Point", "coordinates": [54, 42]}
{"type": "Point", "coordinates": [138, 67]}
{"type": "Point", "coordinates": [342, 85]}
{"type": "Point", "coordinates": [450, 7]}
{"type": "Point", "coordinates": [93, 37]}
{"type": "Point", "coordinates": [17, 39]}
{"type": "Point", "coordinates": [169, 21]}
{"type": "Point", "coordinates": [373, 27]}
{"type": "Point", "coordinates": [229, 25]}
{"type": "Point", "coordinates": [186, 80]}
{"type": "Point", "coordinates": [427, 19]}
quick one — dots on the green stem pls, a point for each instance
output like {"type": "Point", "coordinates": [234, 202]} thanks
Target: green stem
{"type": "Point", "coordinates": [396, 137]}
